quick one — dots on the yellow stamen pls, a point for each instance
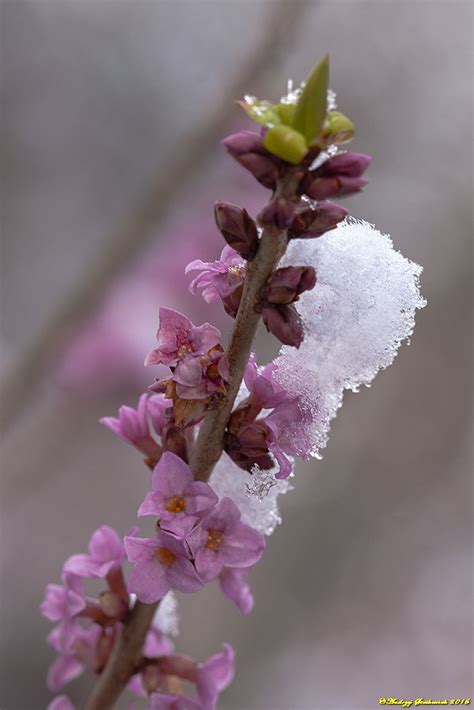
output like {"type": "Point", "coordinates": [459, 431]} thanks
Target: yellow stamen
{"type": "Point", "coordinates": [165, 556]}
{"type": "Point", "coordinates": [214, 539]}
{"type": "Point", "coordinates": [175, 504]}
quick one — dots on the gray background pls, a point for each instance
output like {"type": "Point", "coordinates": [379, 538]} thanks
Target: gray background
{"type": "Point", "coordinates": [365, 591]}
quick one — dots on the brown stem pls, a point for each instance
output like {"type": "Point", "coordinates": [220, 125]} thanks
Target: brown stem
{"type": "Point", "coordinates": [208, 447]}
{"type": "Point", "coordinates": [125, 657]}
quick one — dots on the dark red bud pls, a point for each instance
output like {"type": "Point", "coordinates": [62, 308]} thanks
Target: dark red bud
{"type": "Point", "coordinates": [232, 301]}
{"type": "Point", "coordinates": [315, 221]}
{"type": "Point", "coordinates": [320, 188]}
{"type": "Point", "coordinates": [337, 176]}
{"type": "Point", "coordinates": [247, 148]}
{"type": "Point", "coordinates": [174, 440]}
{"type": "Point", "coordinates": [285, 285]}
{"type": "Point", "coordinates": [277, 215]}
{"type": "Point", "coordinates": [238, 228]}
{"type": "Point", "coordinates": [247, 444]}
{"type": "Point", "coordinates": [285, 324]}
{"type": "Point", "coordinates": [348, 164]}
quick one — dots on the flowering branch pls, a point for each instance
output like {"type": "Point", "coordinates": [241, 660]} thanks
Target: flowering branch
{"type": "Point", "coordinates": [219, 422]}
{"type": "Point", "coordinates": [210, 441]}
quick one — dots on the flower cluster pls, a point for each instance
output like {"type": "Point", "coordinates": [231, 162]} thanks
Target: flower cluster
{"type": "Point", "coordinates": [198, 539]}
{"type": "Point", "coordinates": [279, 434]}
{"type": "Point", "coordinates": [87, 629]}
{"type": "Point", "coordinates": [315, 301]}
{"type": "Point", "coordinates": [198, 364]}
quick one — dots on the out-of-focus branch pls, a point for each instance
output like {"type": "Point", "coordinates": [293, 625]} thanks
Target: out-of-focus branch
{"type": "Point", "coordinates": [136, 229]}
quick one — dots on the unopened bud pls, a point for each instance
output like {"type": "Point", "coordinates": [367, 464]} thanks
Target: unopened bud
{"type": "Point", "coordinates": [285, 285]}
{"type": "Point", "coordinates": [336, 177]}
{"type": "Point", "coordinates": [232, 301]}
{"type": "Point", "coordinates": [277, 215]}
{"type": "Point", "coordinates": [247, 148]}
{"type": "Point", "coordinates": [238, 228]}
{"type": "Point", "coordinates": [314, 221]}
{"type": "Point", "coordinates": [285, 324]}
{"type": "Point", "coordinates": [349, 164]}
{"type": "Point", "coordinates": [320, 188]}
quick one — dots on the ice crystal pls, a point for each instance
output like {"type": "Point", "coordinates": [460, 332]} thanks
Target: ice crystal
{"type": "Point", "coordinates": [361, 310]}
{"type": "Point", "coordinates": [166, 616]}
{"type": "Point", "coordinates": [261, 512]}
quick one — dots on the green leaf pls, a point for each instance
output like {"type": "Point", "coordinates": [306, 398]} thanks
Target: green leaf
{"type": "Point", "coordinates": [310, 110]}
{"type": "Point", "coordinates": [286, 143]}
{"type": "Point", "coordinates": [285, 112]}
{"type": "Point", "coordinates": [339, 128]}
{"type": "Point", "coordinates": [262, 112]}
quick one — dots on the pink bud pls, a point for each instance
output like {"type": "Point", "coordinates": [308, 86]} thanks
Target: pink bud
{"type": "Point", "coordinates": [348, 164]}
{"type": "Point", "coordinates": [285, 324]}
{"type": "Point", "coordinates": [337, 176]}
{"type": "Point", "coordinates": [238, 228]}
{"type": "Point", "coordinates": [315, 221]}
{"type": "Point", "coordinates": [277, 215]}
{"type": "Point", "coordinates": [247, 148]}
{"type": "Point", "coordinates": [285, 285]}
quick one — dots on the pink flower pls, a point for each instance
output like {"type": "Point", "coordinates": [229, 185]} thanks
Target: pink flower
{"type": "Point", "coordinates": [215, 675]}
{"type": "Point", "coordinates": [222, 540]}
{"type": "Point", "coordinates": [159, 564]}
{"type": "Point", "coordinates": [218, 278]}
{"type": "Point", "coordinates": [200, 377]}
{"type": "Point", "coordinates": [106, 554]}
{"type": "Point", "coordinates": [232, 584]}
{"type": "Point", "coordinates": [82, 653]}
{"type": "Point", "coordinates": [178, 338]}
{"type": "Point", "coordinates": [133, 426]}
{"type": "Point", "coordinates": [62, 603]}
{"type": "Point", "coordinates": [210, 678]}
{"type": "Point", "coordinates": [262, 385]}
{"type": "Point", "coordinates": [288, 435]}
{"type": "Point", "coordinates": [175, 497]}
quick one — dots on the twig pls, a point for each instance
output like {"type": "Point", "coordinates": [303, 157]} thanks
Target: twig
{"type": "Point", "coordinates": [136, 230]}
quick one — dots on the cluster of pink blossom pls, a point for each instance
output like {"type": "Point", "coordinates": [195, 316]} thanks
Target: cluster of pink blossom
{"type": "Point", "coordinates": [87, 628]}
{"type": "Point", "coordinates": [200, 537]}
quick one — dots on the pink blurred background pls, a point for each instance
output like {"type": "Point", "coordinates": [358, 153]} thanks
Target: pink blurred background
{"type": "Point", "coordinates": [366, 589]}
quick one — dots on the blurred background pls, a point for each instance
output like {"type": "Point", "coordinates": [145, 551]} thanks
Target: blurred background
{"type": "Point", "coordinates": [112, 112]}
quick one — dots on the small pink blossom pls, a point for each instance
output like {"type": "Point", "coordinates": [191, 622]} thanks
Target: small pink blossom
{"type": "Point", "coordinates": [218, 278]}
{"type": "Point", "coordinates": [200, 377]}
{"type": "Point", "coordinates": [63, 602]}
{"type": "Point", "coordinates": [82, 653]}
{"type": "Point", "coordinates": [263, 387]}
{"type": "Point", "coordinates": [178, 338]}
{"type": "Point", "coordinates": [106, 553]}
{"type": "Point", "coordinates": [133, 426]}
{"type": "Point", "coordinates": [159, 564]}
{"type": "Point", "coordinates": [175, 497]}
{"type": "Point", "coordinates": [222, 540]}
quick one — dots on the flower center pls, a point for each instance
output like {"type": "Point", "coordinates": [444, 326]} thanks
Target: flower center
{"type": "Point", "coordinates": [175, 504]}
{"type": "Point", "coordinates": [214, 539]}
{"type": "Point", "coordinates": [165, 556]}
{"type": "Point", "coordinates": [235, 270]}
{"type": "Point", "coordinates": [184, 349]}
